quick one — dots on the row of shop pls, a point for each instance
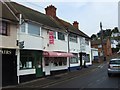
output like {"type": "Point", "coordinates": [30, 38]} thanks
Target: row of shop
{"type": "Point", "coordinates": [32, 64]}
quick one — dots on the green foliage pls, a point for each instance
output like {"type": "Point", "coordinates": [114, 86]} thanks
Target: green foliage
{"type": "Point", "coordinates": [94, 37]}
{"type": "Point", "coordinates": [118, 46]}
{"type": "Point", "coordinates": [115, 50]}
{"type": "Point", "coordinates": [116, 38]}
{"type": "Point", "coordinates": [115, 30]}
{"type": "Point", "coordinates": [106, 33]}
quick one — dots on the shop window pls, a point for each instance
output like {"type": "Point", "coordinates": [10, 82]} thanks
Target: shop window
{"type": "Point", "coordinates": [26, 62]}
{"type": "Point", "coordinates": [46, 61]}
{"type": "Point", "coordinates": [55, 63]}
{"type": "Point", "coordinates": [87, 58]}
{"type": "Point", "coordinates": [61, 61]}
{"type": "Point", "coordinates": [73, 60]}
{"type": "Point", "coordinates": [64, 62]}
{"type": "Point", "coordinates": [3, 28]}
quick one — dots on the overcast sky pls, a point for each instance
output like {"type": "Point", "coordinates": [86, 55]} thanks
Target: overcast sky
{"type": "Point", "coordinates": [89, 13]}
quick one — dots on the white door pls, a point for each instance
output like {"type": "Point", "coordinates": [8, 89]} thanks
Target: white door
{"type": "Point", "coordinates": [47, 67]}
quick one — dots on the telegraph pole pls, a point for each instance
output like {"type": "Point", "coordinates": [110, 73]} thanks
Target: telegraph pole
{"type": "Point", "coordinates": [102, 41]}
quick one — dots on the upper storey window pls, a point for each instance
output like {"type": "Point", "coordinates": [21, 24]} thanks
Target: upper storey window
{"type": "Point", "coordinates": [61, 36]}
{"type": "Point", "coordinates": [3, 28]}
{"type": "Point", "coordinates": [73, 38]}
{"type": "Point", "coordinates": [33, 29]}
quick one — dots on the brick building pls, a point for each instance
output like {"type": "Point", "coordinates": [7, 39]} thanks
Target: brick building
{"type": "Point", "coordinates": [106, 46]}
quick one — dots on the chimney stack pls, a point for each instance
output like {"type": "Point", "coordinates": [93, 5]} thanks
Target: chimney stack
{"type": "Point", "coordinates": [51, 11]}
{"type": "Point", "coordinates": [75, 24]}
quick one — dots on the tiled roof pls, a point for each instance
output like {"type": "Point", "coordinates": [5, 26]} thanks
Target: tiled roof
{"type": "Point", "coordinates": [6, 13]}
{"type": "Point", "coordinates": [71, 28]}
{"type": "Point", "coordinates": [30, 14]}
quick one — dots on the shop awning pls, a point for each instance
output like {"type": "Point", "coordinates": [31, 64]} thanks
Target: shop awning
{"type": "Point", "coordinates": [56, 54]}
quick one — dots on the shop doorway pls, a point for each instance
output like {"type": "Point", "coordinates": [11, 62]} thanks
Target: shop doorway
{"type": "Point", "coordinates": [38, 60]}
{"type": "Point", "coordinates": [47, 66]}
{"type": "Point", "coordinates": [9, 68]}
{"type": "Point", "coordinates": [82, 57]}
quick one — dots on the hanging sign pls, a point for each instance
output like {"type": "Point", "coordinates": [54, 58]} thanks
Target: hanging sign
{"type": "Point", "coordinates": [51, 37]}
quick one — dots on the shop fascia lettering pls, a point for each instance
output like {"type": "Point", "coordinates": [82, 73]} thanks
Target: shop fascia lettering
{"type": "Point", "coordinates": [6, 52]}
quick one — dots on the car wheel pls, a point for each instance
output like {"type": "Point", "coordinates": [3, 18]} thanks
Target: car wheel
{"type": "Point", "coordinates": [109, 74]}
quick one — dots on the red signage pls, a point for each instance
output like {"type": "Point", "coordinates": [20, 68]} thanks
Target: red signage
{"type": "Point", "coordinates": [51, 37]}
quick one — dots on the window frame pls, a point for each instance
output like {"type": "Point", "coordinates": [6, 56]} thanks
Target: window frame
{"type": "Point", "coordinates": [4, 28]}
{"type": "Point", "coordinates": [25, 62]}
{"type": "Point", "coordinates": [62, 35]}
{"type": "Point", "coordinates": [87, 41]}
{"type": "Point", "coordinates": [34, 26]}
{"type": "Point", "coordinates": [73, 38]}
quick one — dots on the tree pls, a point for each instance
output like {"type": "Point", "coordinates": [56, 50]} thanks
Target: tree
{"type": "Point", "coordinates": [106, 33]}
{"type": "Point", "coordinates": [118, 46]}
{"type": "Point", "coordinates": [115, 30]}
{"type": "Point", "coordinates": [94, 37]}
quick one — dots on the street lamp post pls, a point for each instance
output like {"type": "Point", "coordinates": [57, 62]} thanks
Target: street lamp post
{"type": "Point", "coordinates": [102, 41]}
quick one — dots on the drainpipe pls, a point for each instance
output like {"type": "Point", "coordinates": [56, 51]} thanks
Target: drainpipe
{"type": "Point", "coordinates": [18, 51]}
{"type": "Point", "coordinates": [68, 48]}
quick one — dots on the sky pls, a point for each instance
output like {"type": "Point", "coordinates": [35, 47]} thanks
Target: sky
{"type": "Point", "coordinates": [89, 13]}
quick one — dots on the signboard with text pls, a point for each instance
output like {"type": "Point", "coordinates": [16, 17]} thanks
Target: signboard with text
{"type": "Point", "coordinates": [51, 37]}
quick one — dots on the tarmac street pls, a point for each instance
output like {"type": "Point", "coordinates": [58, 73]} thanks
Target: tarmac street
{"type": "Point", "coordinates": [96, 79]}
{"type": "Point", "coordinates": [94, 76]}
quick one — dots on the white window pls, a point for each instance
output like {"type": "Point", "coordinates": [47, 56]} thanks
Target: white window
{"type": "Point", "coordinates": [23, 27]}
{"type": "Point", "coordinates": [61, 36]}
{"type": "Point", "coordinates": [87, 41]}
{"type": "Point", "coordinates": [3, 28]}
{"type": "Point", "coordinates": [74, 60]}
{"type": "Point", "coordinates": [33, 29]}
{"type": "Point", "coordinates": [73, 38]}
{"type": "Point", "coordinates": [82, 41]}
{"type": "Point", "coordinates": [54, 35]}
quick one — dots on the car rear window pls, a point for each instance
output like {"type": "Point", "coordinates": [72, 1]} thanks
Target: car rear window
{"type": "Point", "coordinates": [115, 62]}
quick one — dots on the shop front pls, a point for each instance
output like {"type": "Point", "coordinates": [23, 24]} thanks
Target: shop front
{"type": "Point", "coordinates": [74, 62]}
{"type": "Point", "coordinates": [55, 62]}
{"type": "Point", "coordinates": [9, 66]}
{"type": "Point", "coordinates": [84, 59]}
{"type": "Point", "coordinates": [30, 66]}
{"type": "Point", "coordinates": [82, 56]}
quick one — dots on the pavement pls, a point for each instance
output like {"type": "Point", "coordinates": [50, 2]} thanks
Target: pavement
{"type": "Point", "coordinates": [59, 78]}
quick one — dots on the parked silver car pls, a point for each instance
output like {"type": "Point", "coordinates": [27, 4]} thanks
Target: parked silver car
{"type": "Point", "coordinates": [114, 66]}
